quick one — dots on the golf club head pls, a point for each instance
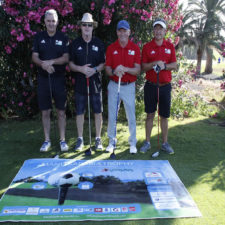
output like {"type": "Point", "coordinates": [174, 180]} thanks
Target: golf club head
{"type": "Point", "coordinates": [157, 68]}
{"type": "Point", "coordinates": [56, 157]}
{"type": "Point", "coordinates": [88, 152]}
{"type": "Point", "coordinates": [113, 155]}
{"type": "Point", "coordinates": [155, 154]}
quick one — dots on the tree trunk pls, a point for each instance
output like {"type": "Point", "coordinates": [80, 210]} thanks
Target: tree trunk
{"type": "Point", "coordinates": [209, 61]}
{"type": "Point", "coordinates": [199, 60]}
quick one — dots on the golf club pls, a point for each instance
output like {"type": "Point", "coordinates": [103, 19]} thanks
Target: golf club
{"type": "Point", "coordinates": [53, 111]}
{"type": "Point", "coordinates": [88, 151]}
{"type": "Point", "coordinates": [157, 70]}
{"type": "Point", "coordinates": [113, 155]}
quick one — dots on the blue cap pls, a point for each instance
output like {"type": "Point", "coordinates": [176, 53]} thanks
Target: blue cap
{"type": "Point", "coordinates": [123, 24]}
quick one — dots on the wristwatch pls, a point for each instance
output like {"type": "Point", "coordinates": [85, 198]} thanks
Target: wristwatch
{"type": "Point", "coordinates": [95, 69]}
{"type": "Point", "coordinates": [165, 66]}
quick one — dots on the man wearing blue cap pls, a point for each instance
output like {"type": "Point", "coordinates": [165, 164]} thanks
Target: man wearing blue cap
{"type": "Point", "coordinates": [122, 61]}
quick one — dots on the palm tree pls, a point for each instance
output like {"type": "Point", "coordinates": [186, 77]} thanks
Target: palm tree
{"type": "Point", "coordinates": [202, 25]}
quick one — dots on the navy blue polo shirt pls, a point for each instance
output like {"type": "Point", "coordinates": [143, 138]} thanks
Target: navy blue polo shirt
{"type": "Point", "coordinates": [51, 48]}
{"type": "Point", "coordinates": [82, 53]}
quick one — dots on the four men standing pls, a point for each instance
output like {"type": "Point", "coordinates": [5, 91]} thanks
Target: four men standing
{"type": "Point", "coordinates": [87, 60]}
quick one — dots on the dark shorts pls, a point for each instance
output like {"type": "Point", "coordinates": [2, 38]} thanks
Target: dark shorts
{"type": "Point", "coordinates": [81, 102]}
{"type": "Point", "coordinates": [58, 88]}
{"type": "Point", "coordinates": [151, 99]}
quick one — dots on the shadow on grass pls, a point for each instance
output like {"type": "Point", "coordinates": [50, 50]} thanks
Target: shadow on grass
{"type": "Point", "coordinates": [199, 154]}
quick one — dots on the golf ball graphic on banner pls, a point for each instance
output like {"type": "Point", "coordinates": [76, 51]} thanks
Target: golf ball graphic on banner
{"type": "Point", "coordinates": [59, 179]}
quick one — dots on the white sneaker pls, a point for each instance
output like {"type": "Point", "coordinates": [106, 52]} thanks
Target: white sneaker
{"type": "Point", "coordinates": [133, 149]}
{"type": "Point", "coordinates": [110, 148]}
{"type": "Point", "coordinates": [63, 145]}
{"type": "Point", "coordinates": [45, 146]}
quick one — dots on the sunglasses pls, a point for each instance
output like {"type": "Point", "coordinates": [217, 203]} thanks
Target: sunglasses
{"type": "Point", "coordinates": [87, 24]}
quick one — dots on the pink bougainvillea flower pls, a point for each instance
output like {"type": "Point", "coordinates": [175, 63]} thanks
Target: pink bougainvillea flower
{"type": "Point", "coordinates": [8, 49]}
{"type": "Point", "coordinates": [20, 37]}
{"type": "Point", "coordinates": [20, 104]}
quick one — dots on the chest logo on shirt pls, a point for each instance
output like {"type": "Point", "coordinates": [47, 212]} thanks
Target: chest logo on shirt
{"type": "Point", "coordinates": [95, 48]}
{"type": "Point", "coordinates": [58, 42]}
{"type": "Point", "coordinates": [80, 48]}
{"type": "Point", "coordinates": [43, 41]}
{"type": "Point", "coordinates": [131, 52]}
{"type": "Point", "coordinates": [152, 52]}
{"type": "Point", "coordinates": [115, 52]}
{"type": "Point", "coordinates": [167, 51]}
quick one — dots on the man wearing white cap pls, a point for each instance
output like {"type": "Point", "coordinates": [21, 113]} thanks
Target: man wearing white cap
{"type": "Point", "coordinates": [162, 53]}
{"type": "Point", "coordinates": [87, 58]}
{"type": "Point", "coordinates": [122, 61]}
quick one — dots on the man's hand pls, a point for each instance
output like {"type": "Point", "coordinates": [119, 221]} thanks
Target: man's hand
{"type": "Point", "coordinates": [50, 69]}
{"type": "Point", "coordinates": [161, 64]}
{"type": "Point", "coordinates": [47, 65]}
{"type": "Point", "coordinates": [87, 70]}
{"type": "Point", "coordinates": [120, 70]}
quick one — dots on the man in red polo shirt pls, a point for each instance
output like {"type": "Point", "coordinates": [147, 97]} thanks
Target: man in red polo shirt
{"type": "Point", "coordinates": [162, 53]}
{"type": "Point", "coordinates": [122, 60]}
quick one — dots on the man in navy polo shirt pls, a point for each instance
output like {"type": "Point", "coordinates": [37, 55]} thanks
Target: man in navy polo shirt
{"type": "Point", "coordinates": [87, 58]}
{"type": "Point", "coordinates": [162, 53]}
{"type": "Point", "coordinates": [50, 54]}
{"type": "Point", "coordinates": [122, 60]}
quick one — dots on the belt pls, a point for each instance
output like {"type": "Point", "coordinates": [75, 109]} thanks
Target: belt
{"type": "Point", "coordinates": [122, 83]}
{"type": "Point", "coordinates": [160, 84]}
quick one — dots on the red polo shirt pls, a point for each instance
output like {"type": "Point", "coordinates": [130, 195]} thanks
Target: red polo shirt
{"type": "Point", "coordinates": [127, 56]}
{"type": "Point", "coordinates": [152, 52]}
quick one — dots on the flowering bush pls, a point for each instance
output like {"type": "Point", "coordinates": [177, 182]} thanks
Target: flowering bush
{"type": "Point", "coordinates": [222, 49]}
{"type": "Point", "coordinates": [21, 19]}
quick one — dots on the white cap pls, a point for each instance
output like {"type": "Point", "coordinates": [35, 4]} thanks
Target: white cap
{"type": "Point", "coordinates": [160, 22]}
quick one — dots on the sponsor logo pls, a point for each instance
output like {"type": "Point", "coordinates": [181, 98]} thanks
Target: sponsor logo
{"type": "Point", "coordinates": [95, 48]}
{"type": "Point", "coordinates": [98, 209]}
{"type": "Point", "coordinates": [115, 52]}
{"type": "Point", "coordinates": [124, 209]}
{"type": "Point", "coordinates": [131, 52]}
{"type": "Point", "coordinates": [115, 209]}
{"type": "Point", "coordinates": [153, 174]}
{"type": "Point", "coordinates": [14, 211]}
{"type": "Point", "coordinates": [32, 211]}
{"type": "Point", "coordinates": [88, 210]}
{"type": "Point", "coordinates": [167, 51]}
{"type": "Point", "coordinates": [57, 42]}
{"type": "Point", "coordinates": [67, 210]}
{"type": "Point", "coordinates": [80, 48]}
{"type": "Point", "coordinates": [152, 52]}
{"type": "Point", "coordinates": [44, 211]}
{"type": "Point", "coordinates": [43, 42]}
{"type": "Point", "coordinates": [106, 210]}
{"type": "Point", "coordinates": [78, 210]}
{"type": "Point", "coordinates": [56, 210]}
{"type": "Point", "coordinates": [132, 209]}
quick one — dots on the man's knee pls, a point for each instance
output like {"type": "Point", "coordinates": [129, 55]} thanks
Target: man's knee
{"type": "Point", "coordinates": [46, 113]}
{"type": "Point", "coordinates": [150, 116]}
{"type": "Point", "coordinates": [61, 114]}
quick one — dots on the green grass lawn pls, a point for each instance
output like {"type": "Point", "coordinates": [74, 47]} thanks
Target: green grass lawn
{"type": "Point", "coordinates": [199, 161]}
